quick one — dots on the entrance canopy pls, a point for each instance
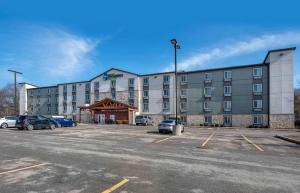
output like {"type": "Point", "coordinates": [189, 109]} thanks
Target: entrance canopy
{"type": "Point", "coordinates": [111, 110]}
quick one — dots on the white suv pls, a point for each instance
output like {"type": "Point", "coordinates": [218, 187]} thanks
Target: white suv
{"type": "Point", "coordinates": [8, 121]}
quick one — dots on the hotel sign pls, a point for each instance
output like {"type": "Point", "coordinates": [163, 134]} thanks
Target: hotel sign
{"type": "Point", "coordinates": [112, 76]}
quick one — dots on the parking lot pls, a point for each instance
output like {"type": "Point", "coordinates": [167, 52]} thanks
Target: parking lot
{"type": "Point", "coordinates": [122, 158]}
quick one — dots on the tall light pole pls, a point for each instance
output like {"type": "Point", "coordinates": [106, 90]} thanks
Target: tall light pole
{"type": "Point", "coordinates": [15, 78]}
{"type": "Point", "coordinates": [176, 46]}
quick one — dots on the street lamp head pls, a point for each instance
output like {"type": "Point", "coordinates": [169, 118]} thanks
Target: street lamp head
{"type": "Point", "coordinates": [177, 46]}
{"type": "Point", "coordinates": [174, 41]}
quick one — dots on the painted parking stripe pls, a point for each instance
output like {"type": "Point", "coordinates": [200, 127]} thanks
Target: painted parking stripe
{"type": "Point", "coordinates": [161, 140]}
{"type": "Point", "coordinates": [249, 141]}
{"type": "Point", "coordinates": [207, 140]}
{"type": "Point", "coordinates": [25, 168]}
{"type": "Point", "coordinates": [116, 186]}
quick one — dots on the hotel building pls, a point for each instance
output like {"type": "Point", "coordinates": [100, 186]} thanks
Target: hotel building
{"type": "Point", "coordinates": [254, 94]}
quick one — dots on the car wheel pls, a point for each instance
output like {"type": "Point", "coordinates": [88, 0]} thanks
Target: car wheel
{"type": "Point", "coordinates": [52, 126]}
{"type": "Point", "coordinates": [29, 127]}
{"type": "Point", "coordinates": [4, 125]}
{"type": "Point", "coordinates": [20, 128]}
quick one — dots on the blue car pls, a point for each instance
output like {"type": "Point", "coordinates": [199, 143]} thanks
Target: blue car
{"type": "Point", "coordinates": [65, 122]}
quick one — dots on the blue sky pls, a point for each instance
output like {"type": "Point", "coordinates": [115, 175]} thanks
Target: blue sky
{"type": "Point", "coordinates": [61, 41]}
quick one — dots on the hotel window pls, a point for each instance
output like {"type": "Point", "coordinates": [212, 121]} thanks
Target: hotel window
{"type": "Point", "coordinates": [183, 106]}
{"type": "Point", "coordinates": [166, 92]}
{"type": "Point", "coordinates": [56, 107]}
{"type": "Point", "coordinates": [65, 97]}
{"type": "Point", "coordinates": [257, 120]}
{"type": "Point", "coordinates": [65, 108]}
{"type": "Point", "coordinates": [73, 97]}
{"type": "Point", "coordinates": [48, 99]}
{"type": "Point", "coordinates": [87, 87]}
{"type": "Point", "coordinates": [257, 104]}
{"type": "Point", "coordinates": [227, 90]}
{"type": "Point", "coordinates": [166, 105]}
{"type": "Point", "coordinates": [87, 98]}
{"type": "Point", "coordinates": [206, 106]}
{"type": "Point", "coordinates": [207, 91]}
{"type": "Point", "coordinates": [208, 76]}
{"type": "Point", "coordinates": [113, 94]}
{"type": "Point", "coordinates": [257, 88]}
{"type": "Point", "coordinates": [48, 90]}
{"type": "Point", "coordinates": [183, 92]}
{"type": "Point", "coordinates": [131, 81]}
{"type": "Point", "coordinates": [73, 107]}
{"type": "Point", "coordinates": [227, 120]}
{"type": "Point", "coordinates": [207, 119]}
{"type": "Point", "coordinates": [113, 83]}
{"type": "Point", "coordinates": [145, 106]}
{"type": "Point", "coordinates": [48, 109]}
{"type": "Point", "coordinates": [96, 85]}
{"type": "Point", "coordinates": [73, 87]}
{"type": "Point", "coordinates": [183, 78]}
{"type": "Point", "coordinates": [97, 96]}
{"type": "Point", "coordinates": [146, 81]}
{"type": "Point", "coordinates": [227, 105]}
{"type": "Point", "coordinates": [65, 88]}
{"type": "Point", "coordinates": [257, 72]}
{"type": "Point", "coordinates": [227, 75]}
{"type": "Point", "coordinates": [145, 93]}
{"type": "Point", "coordinates": [131, 94]}
{"type": "Point", "coordinates": [166, 78]}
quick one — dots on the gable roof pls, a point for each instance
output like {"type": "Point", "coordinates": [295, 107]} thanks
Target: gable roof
{"type": "Point", "coordinates": [277, 50]}
{"type": "Point", "coordinates": [108, 103]}
{"type": "Point", "coordinates": [114, 69]}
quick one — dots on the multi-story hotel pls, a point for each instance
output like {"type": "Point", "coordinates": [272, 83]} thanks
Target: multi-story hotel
{"type": "Point", "coordinates": [254, 94]}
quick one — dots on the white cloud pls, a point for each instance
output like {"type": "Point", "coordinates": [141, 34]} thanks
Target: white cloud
{"type": "Point", "coordinates": [51, 54]}
{"type": "Point", "coordinates": [254, 44]}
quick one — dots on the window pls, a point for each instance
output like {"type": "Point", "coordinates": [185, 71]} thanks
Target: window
{"type": "Point", "coordinates": [183, 106]}
{"type": "Point", "coordinates": [73, 87]}
{"type": "Point", "coordinates": [208, 76]}
{"type": "Point", "coordinates": [146, 93]}
{"type": "Point", "coordinates": [48, 108]}
{"type": "Point", "coordinates": [227, 75]}
{"type": "Point", "coordinates": [207, 119]}
{"type": "Point", "coordinates": [257, 72]}
{"type": "Point", "coordinates": [65, 108]}
{"type": "Point", "coordinates": [56, 107]}
{"type": "Point", "coordinates": [113, 83]}
{"type": "Point", "coordinates": [183, 92]}
{"type": "Point", "coordinates": [48, 90]}
{"type": "Point", "coordinates": [166, 78]}
{"type": "Point", "coordinates": [113, 93]}
{"type": "Point", "coordinates": [227, 105]}
{"type": "Point", "coordinates": [131, 81]}
{"type": "Point", "coordinates": [145, 107]}
{"type": "Point", "coordinates": [74, 107]}
{"type": "Point", "coordinates": [97, 95]}
{"type": "Point", "coordinates": [227, 120]}
{"type": "Point", "coordinates": [166, 105]}
{"type": "Point", "coordinates": [207, 91]}
{"type": "Point", "coordinates": [65, 97]}
{"type": "Point", "coordinates": [206, 106]}
{"type": "Point", "coordinates": [131, 93]}
{"type": "Point", "coordinates": [48, 99]}
{"type": "Point", "coordinates": [184, 78]}
{"type": "Point", "coordinates": [87, 86]}
{"type": "Point", "coordinates": [227, 90]}
{"type": "Point", "coordinates": [146, 81]}
{"type": "Point", "coordinates": [257, 104]}
{"type": "Point", "coordinates": [96, 85]}
{"type": "Point", "coordinates": [257, 88]}
{"type": "Point", "coordinates": [87, 98]}
{"type": "Point", "coordinates": [166, 92]}
{"type": "Point", "coordinates": [257, 120]}
{"type": "Point", "coordinates": [73, 97]}
{"type": "Point", "coordinates": [65, 88]}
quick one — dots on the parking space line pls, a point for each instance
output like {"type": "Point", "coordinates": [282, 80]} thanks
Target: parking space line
{"type": "Point", "coordinates": [158, 141]}
{"type": "Point", "coordinates": [25, 168]}
{"type": "Point", "coordinates": [207, 140]}
{"type": "Point", "coordinates": [116, 186]}
{"type": "Point", "coordinates": [249, 141]}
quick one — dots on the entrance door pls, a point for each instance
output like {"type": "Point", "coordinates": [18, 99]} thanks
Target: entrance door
{"type": "Point", "coordinates": [101, 119]}
{"type": "Point", "coordinates": [112, 118]}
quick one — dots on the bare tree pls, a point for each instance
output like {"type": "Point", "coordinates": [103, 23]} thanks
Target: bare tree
{"type": "Point", "coordinates": [7, 100]}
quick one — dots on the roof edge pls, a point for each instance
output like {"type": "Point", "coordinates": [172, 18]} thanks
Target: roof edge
{"type": "Point", "coordinates": [278, 50]}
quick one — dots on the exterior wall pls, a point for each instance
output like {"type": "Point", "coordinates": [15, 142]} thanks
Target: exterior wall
{"type": "Point", "coordinates": [281, 88]}
{"type": "Point", "coordinates": [297, 104]}
{"type": "Point", "coordinates": [282, 121]}
{"type": "Point", "coordinates": [23, 87]}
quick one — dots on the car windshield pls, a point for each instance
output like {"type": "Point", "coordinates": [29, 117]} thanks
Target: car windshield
{"type": "Point", "coordinates": [139, 117]}
{"type": "Point", "coordinates": [168, 121]}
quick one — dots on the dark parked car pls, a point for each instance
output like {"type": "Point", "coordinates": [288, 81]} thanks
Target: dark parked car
{"type": "Point", "coordinates": [31, 122]}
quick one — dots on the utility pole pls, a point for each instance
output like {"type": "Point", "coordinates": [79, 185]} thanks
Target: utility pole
{"type": "Point", "coordinates": [15, 79]}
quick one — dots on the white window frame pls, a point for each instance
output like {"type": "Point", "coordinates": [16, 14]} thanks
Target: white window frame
{"type": "Point", "coordinates": [131, 81]}
{"type": "Point", "coordinates": [73, 109]}
{"type": "Point", "coordinates": [208, 76]}
{"type": "Point", "coordinates": [208, 119]}
{"type": "Point", "coordinates": [227, 75]}
{"type": "Point", "coordinates": [145, 91]}
{"type": "Point", "coordinates": [146, 81]}
{"type": "Point", "coordinates": [260, 86]}
{"type": "Point", "coordinates": [225, 105]}
{"type": "Point", "coordinates": [205, 91]}
{"type": "Point", "coordinates": [228, 117]}
{"type": "Point", "coordinates": [183, 92]}
{"type": "Point", "coordinates": [166, 78]}
{"type": "Point", "coordinates": [145, 109]}
{"type": "Point", "coordinates": [206, 106]}
{"type": "Point", "coordinates": [258, 102]}
{"type": "Point", "coordinates": [258, 118]}
{"type": "Point", "coordinates": [166, 91]}
{"type": "Point", "coordinates": [257, 69]}
{"type": "Point", "coordinates": [131, 93]}
{"type": "Point", "coordinates": [166, 107]}
{"type": "Point", "coordinates": [229, 89]}
{"type": "Point", "coordinates": [183, 78]}
{"type": "Point", "coordinates": [183, 106]}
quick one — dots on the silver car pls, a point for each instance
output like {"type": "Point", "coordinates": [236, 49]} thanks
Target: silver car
{"type": "Point", "coordinates": [143, 120]}
{"type": "Point", "coordinates": [168, 125]}
{"type": "Point", "coordinates": [8, 121]}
